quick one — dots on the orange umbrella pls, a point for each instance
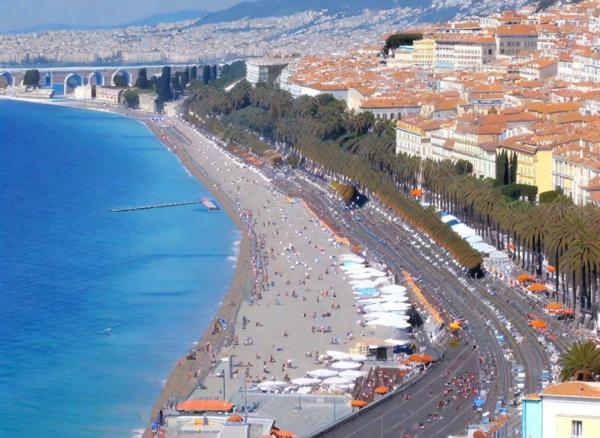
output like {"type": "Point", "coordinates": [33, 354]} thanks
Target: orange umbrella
{"type": "Point", "coordinates": [381, 390]}
{"type": "Point", "coordinates": [235, 418]}
{"type": "Point", "coordinates": [454, 326]}
{"type": "Point", "coordinates": [551, 268]}
{"type": "Point", "coordinates": [416, 192]}
{"type": "Point", "coordinates": [204, 406]}
{"type": "Point", "coordinates": [537, 287]}
{"type": "Point", "coordinates": [554, 307]}
{"type": "Point", "coordinates": [358, 403]}
{"type": "Point", "coordinates": [522, 278]}
{"type": "Point", "coordinates": [538, 324]}
{"type": "Point", "coordinates": [423, 358]}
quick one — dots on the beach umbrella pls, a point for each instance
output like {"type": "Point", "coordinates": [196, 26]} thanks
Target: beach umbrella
{"type": "Point", "coordinates": [393, 288]}
{"type": "Point", "coordinates": [553, 307]}
{"type": "Point", "coordinates": [538, 324]}
{"type": "Point", "coordinates": [269, 385]}
{"type": "Point", "coordinates": [304, 390]}
{"type": "Point", "coordinates": [358, 403]}
{"type": "Point", "coordinates": [305, 381]}
{"type": "Point", "coordinates": [352, 374]}
{"type": "Point", "coordinates": [337, 355]}
{"type": "Point", "coordinates": [522, 278]}
{"type": "Point", "coordinates": [345, 365]}
{"type": "Point", "coordinates": [537, 287]}
{"type": "Point", "coordinates": [322, 373]}
{"type": "Point", "coordinates": [381, 390]}
{"type": "Point", "coordinates": [336, 381]}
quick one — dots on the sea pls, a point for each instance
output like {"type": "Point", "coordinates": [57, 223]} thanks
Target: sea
{"type": "Point", "coordinates": [96, 306]}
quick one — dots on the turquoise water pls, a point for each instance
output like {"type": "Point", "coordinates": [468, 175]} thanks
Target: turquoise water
{"type": "Point", "coordinates": [71, 272]}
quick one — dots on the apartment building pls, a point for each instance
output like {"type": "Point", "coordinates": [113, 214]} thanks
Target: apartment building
{"type": "Point", "coordinates": [424, 52]}
{"type": "Point", "coordinates": [576, 169]}
{"type": "Point", "coordinates": [463, 52]}
{"type": "Point", "coordinates": [565, 410]}
{"type": "Point", "coordinates": [534, 159]}
{"type": "Point", "coordinates": [515, 38]}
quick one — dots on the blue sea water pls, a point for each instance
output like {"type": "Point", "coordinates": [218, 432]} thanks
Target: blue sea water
{"type": "Point", "coordinates": [70, 270]}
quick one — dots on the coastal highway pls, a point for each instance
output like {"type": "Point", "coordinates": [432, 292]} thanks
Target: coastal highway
{"type": "Point", "coordinates": [447, 286]}
{"type": "Point", "coordinates": [401, 415]}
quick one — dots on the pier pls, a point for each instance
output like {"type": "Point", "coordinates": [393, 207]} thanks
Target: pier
{"type": "Point", "coordinates": [150, 207]}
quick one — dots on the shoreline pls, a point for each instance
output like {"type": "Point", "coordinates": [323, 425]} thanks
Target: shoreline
{"type": "Point", "coordinates": [186, 373]}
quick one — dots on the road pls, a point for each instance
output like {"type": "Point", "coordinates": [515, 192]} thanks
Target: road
{"type": "Point", "coordinates": [489, 315]}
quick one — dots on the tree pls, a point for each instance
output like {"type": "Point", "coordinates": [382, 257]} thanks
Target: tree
{"type": "Point", "coordinates": [580, 362]}
{"type": "Point", "coordinates": [206, 74]}
{"type": "Point", "coordinates": [142, 81]}
{"type": "Point", "coordinates": [32, 78]}
{"type": "Point", "coordinates": [164, 85]}
{"type": "Point", "coordinates": [513, 169]}
{"type": "Point", "coordinates": [463, 167]}
{"type": "Point", "coordinates": [131, 98]}
{"type": "Point", "coordinates": [400, 39]}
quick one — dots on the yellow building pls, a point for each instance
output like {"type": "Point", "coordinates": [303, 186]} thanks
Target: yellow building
{"type": "Point", "coordinates": [568, 409]}
{"type": "Point", "coordinates": [424, 52]}
{"type": "Point", "coordinates": [534, 161]}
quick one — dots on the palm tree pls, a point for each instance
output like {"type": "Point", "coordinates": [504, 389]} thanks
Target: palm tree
{"type": "Point", "coordinates": [580, 362]}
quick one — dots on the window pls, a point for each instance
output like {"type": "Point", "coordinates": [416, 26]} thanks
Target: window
{"type": "Point", "coordinates": [576, 429]}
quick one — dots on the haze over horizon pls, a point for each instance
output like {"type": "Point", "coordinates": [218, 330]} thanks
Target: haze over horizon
{"type": "Point", "coordinates": [32, 13]}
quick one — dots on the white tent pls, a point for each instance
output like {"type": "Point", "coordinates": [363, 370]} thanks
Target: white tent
{"type": "Point", "coordinates": [305, 381]}
{"type": "Point", "coordinates": [337, 355]}
{"type": "Point", "coordinates": [360, 276]}
{"type": "Point", "coordinates": [474, 239]}
{"type": "Point", "coordinates": [345, 365]}
{"type": "Point", "coordinates": [387, 322]}
{"type": "Point", "coordinates": [352, 257]}
{"type": "Point", "coordinates": [381, 281]}
{"type": "Point", "coordinates": [387, 307]}
{"type": "Point", "coordinates": [398, 298]}
{"type": "Point", "coordinates": [463, 230]}
{"type": "Point", "coordinates": [322, 373]}
{"type": "Point", "coordinates": [447, 218]}
{"type": "Point", "coordinates": [377, 315]}
{"type": "Point", "coordinates": [362, 283]}
{"type": "Point", "coordinates": [393, 288]}
{"type": "Point", "coordinates": [336, 381]}
{"type": "Point", "coordinates": [396, 341]}
{"type": "Point", "coordinates": [352, 374]}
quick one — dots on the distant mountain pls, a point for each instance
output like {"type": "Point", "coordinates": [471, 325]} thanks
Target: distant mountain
{"type": "Point", "coordinates": [277, 8]}
{"type": "Point", "coordinates": [431, 10]}
{"type": "Point", "coordinates": [168, 17]}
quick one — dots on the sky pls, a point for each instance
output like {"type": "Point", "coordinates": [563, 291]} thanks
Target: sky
{"type": "Point", "coordinates": [19, 14]}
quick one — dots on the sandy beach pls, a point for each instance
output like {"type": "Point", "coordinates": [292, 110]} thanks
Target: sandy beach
{"type": "Point", "coordinates": [291, 308]}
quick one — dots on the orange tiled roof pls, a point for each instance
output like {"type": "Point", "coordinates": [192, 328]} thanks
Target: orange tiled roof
{"type": "Point", "coordinates": [574, 389]}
